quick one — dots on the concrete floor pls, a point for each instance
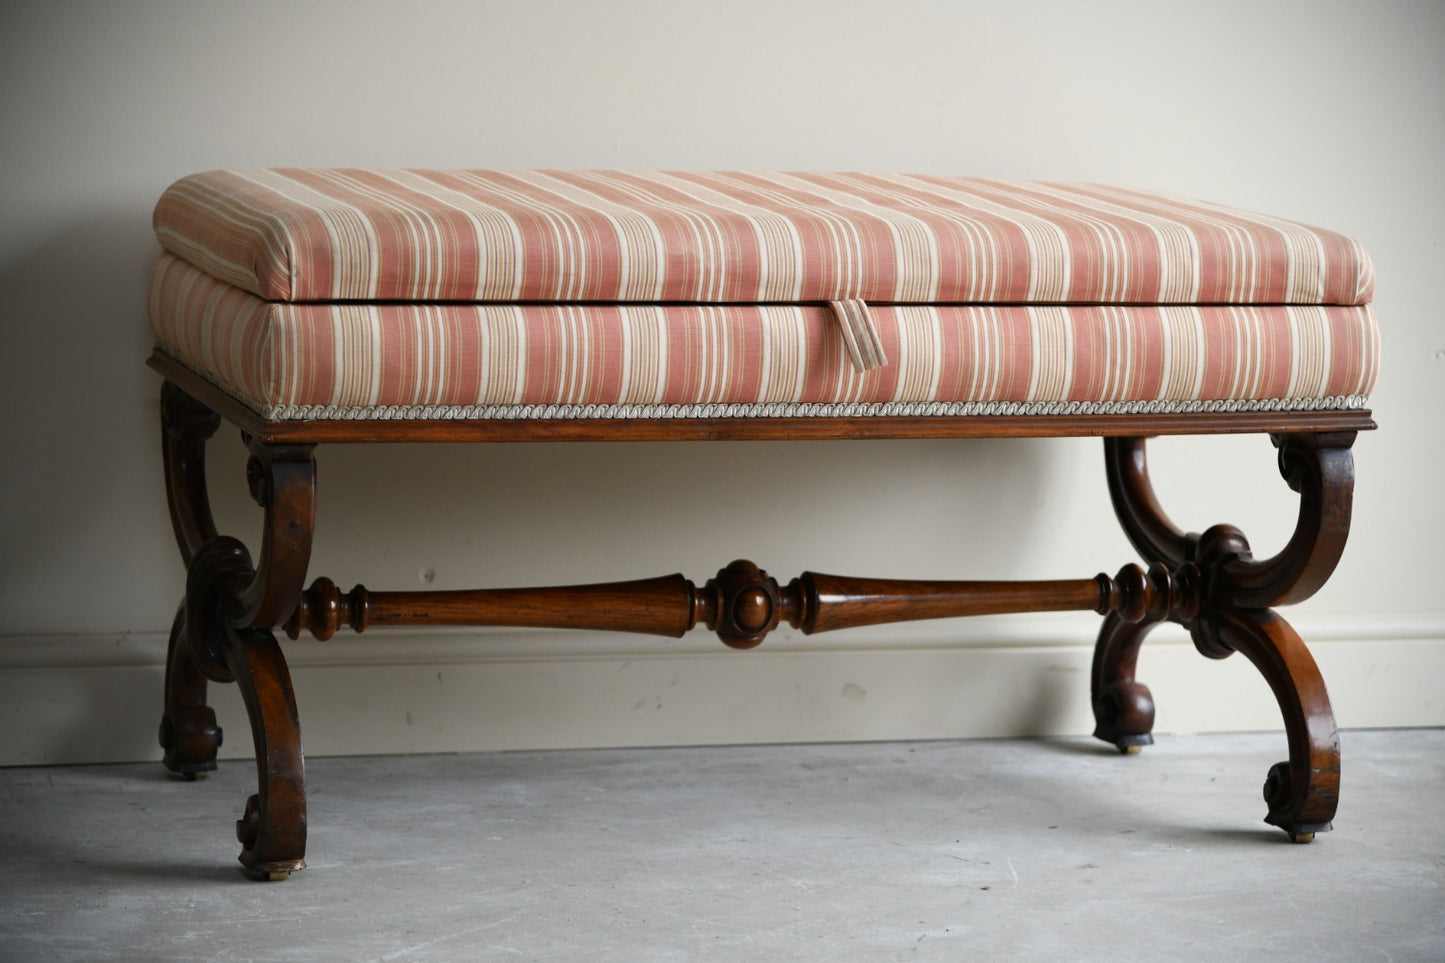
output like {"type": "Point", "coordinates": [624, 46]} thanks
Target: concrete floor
{"type": "Point", "coordinates": [986, 850]}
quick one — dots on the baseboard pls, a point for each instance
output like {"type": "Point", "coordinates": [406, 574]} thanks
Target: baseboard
{"type": "Point", "coordinates": [97, 698]}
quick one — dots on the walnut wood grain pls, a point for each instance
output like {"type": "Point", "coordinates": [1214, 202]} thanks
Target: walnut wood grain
{"type": "Point", "coordinates": [1210, 583]}
{"type": "Point", "coordinates": [282, 480]}
{"type": "Point", "coordinates": [213, 639]}
{"type": "Point", "coordinates": [742, 603]}
{"type": "Point", "coordinates": [186, 426]}
{"type": "Point", "coordinates": [272, 829]}
{"type": "Point", "coordinates": [1302, 793]}
{"type": "Point", "coordinates": [838, 602]}
{"type": "Point", "coordinates": [658, 606]}
{"type": "Point", "coordinates": [188, 732]}
{"type": "Point", "coordinates": [841, 602]}
{"type": "Point", "coordinates": [1123, 706]}
{"type": "Point", "coordinates": [1145, 524]}
{"type": "Point", "coordinates": [1321, 469]}
{"type": "Point", "coordinates": [1233, 593]}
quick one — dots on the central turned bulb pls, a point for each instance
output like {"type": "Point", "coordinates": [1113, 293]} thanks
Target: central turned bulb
{"type": "Point", "coordinates": [752, 609]}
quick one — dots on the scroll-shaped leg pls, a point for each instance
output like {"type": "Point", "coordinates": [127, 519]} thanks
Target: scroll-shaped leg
{"type": "Point", "coordinates": [272, 832]}
{"type": "Point", "coordinates": [1149, 530]}
{"type": "Point", "coordinates": [1233, 614]}
{"type": "Point", "coordinates": [1123, 707]}
{"type": "Point", "coordinates": [223, 635]}
{"type": "Point", "coordinates": [1302, 793]}
{"type": "Point", "coordinates": [188, 730]}
{"type": "Point", "coordinates": [283, 481]}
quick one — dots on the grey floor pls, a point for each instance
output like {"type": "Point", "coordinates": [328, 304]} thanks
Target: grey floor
{"type": "Point", "coordinates": [985, 850]}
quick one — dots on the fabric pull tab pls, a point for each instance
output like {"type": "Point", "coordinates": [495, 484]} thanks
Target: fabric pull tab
{"type": "Point", "coordinates": [860, 335]}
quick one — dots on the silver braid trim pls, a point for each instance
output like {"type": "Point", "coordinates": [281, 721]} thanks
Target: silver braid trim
{"type": "Point", "coordinates": [923, 409]}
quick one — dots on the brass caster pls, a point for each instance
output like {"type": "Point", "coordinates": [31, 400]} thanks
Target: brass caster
{"type": "Point", "coordinates": [1131, 750]}
{"type": "Point", "coordinates": [1301, 837]}
{"type": "Point", "coordinates": [276, 877]}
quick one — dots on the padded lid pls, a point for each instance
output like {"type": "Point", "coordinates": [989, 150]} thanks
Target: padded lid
{"type": "Point", "coordinates": [610, 236]}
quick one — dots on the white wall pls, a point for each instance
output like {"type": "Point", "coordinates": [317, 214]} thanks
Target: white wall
{"type": "Point", "coordinates": [1331, 112]}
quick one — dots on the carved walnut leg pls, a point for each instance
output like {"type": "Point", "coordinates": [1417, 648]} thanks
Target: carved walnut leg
{"type": "Point", "coordinates": [188, 730]}
{"type": "Point", "coordinates": [189, 733]}
{"type": "Point", "coordinates": [1232, 614]}
{"type": "Point", "coordinates": [1303, 792]}
{"type": "Point", "coordinates": [272, 831]}
{"type": "Point", "coordinates": [1123, 706]}
{"type": "Point", "coordinates": [223, 632]}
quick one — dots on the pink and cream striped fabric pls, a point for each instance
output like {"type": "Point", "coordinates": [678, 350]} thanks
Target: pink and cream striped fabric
{"type": "Point", "coordinates": [481, 294]}
{"type": "Point", "coordinates": [398, 360]}
{"type": "Point", "coordinates": [716, 238]}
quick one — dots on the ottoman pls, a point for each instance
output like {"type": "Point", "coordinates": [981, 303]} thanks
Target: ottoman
{"type": "Point", "coordinates": [310, 306]}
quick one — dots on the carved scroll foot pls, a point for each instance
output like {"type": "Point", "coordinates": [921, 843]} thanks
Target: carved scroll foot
{"type": "Point", "coordinates": [1231, 613]}
{"type": "Point", "coordinates": [1123, 707]}
{"type": "Point", "coordinates": [189, 733]}
{"type": "Point", "coordinates": [272, 831]}
{"type": "Point", "coordinates": [222, 632]}
{"type": "Point", "coordinates": [249, 602]}
{"type": "Point", "coordinates": [1303, 792]}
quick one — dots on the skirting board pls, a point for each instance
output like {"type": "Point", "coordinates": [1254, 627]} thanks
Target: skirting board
{"type": "Point", "coordinates": [98, 698]}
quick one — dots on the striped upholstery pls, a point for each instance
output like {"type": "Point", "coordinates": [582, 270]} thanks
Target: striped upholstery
{"type": "Point", "coordinates": [335, 235]}
{"type": "Point", "coordinates": [384, 360]}
{"type": "Point", "coordinates": [405, 294]}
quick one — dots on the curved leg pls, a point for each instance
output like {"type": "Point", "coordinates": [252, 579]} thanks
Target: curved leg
{"type": "Point", "coordinates": [272, 832]}
{"type": "Point", "coordinates": [222, 633]}
{"type": "Point", "coordinates": [1230, 614]}
{"type": "Point", "coordinates": [186, 426]}
{"type": "Point", "coordinates": [282, 479]}
{"type": "Point", "coordinates": [1302, 793]}
{"type": "Point", "coordinates": [1149, 530]}
{"type": "Point", "coordinates": [1123, 707]}
{"type": "Point", "coordinates": [1322, 469]}
{"type": "Point", "coordinates": [188, 730]}
{"type": "Point", "coordinates": [189, 733]}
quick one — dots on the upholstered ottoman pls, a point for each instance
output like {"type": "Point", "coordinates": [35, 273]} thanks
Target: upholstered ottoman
{"type": "Point", "coordinates": [312, 306]}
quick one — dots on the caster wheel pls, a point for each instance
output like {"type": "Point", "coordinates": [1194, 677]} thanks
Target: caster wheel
{"type": "Point", "coordinates": [1131, 750]}
{"type": "Point", "coordinates": [1301, 837]}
